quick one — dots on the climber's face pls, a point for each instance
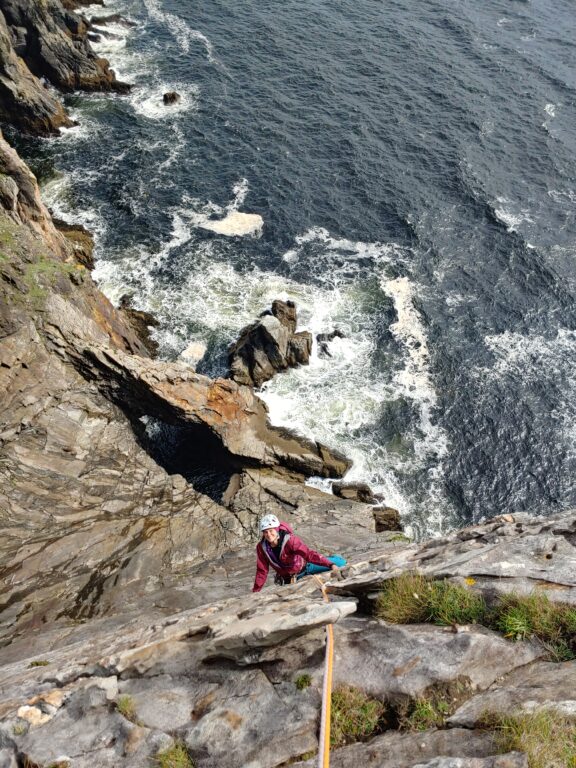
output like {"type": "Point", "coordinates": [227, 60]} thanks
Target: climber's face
{"type": "Point", "coordinates": [271, 535]}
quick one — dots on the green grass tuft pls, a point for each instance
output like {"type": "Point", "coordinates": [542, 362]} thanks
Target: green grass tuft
{"type": "Point", "coordinates": [175, 757]}
{"type": "Point", "coordinates": [414, 599]}
{"type": "Point", "coordinates": [523, 617]}
{"type": "Point", "coordinates": [355, 716]}
{"type": "Point", "coordinates": [426, 713]}
{"type": "Point", "coordinates": [126, 707]}
{"type": "Point", "coordinates": [547, 737]}
{"type": "Point", "coordinates": [303, 681]}
{"type": "Point", "coordinates": [404, 600]}
{"type": "Point", "coordinates": [39, 663]}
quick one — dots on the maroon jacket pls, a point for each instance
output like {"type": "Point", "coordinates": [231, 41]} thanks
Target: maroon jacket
{"type": "Point", "coordinates": [293, 557]}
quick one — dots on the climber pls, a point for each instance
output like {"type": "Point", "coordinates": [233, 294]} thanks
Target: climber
{"type": "Point", "coordinates": [280, 548]}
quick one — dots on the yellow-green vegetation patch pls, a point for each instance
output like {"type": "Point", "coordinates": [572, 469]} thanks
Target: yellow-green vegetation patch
{"type": "Point", "coordinates": [547, 737]}
{"type": "Point", "coordinates": [355, 716]}
{"type": "Point", "coordinates": [426, 713]}
{"type": "Point", "coordinates": [414, 599]}
{"type": "Point", "coordinates": [38, 663]}
{"type": "Point", "coordinates": [521, 617]}
{"type": "Point", "coordinates": [431, 709]}
{"type": "Point", "coordinates": [127, 708]}
{"type": "Point", "coordinates": [303, 681]}
{"type": "Point", "coordinates": [175, 757]}
{"type": "Point", "coordinates": [41, 274]}
{"type": "Point", "coordinates": [19, 729]}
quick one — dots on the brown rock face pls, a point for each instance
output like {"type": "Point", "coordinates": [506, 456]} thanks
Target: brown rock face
{"type": "Point", "coordinates": [81, 240]}
{"type": "Point", "coordinates": [21, 200]}
{"type": "Point", "coordinates": [386, 519]}
{"type": "Point", "coordinates": [269, 345]}
{"type": "Point", "coordinates": [141, 322]}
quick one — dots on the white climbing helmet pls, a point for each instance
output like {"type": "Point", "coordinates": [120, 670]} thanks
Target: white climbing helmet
{"type": "Point", "coordinates": [269, 521]}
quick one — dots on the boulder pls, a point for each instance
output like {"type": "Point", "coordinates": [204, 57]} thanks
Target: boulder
{"type": "Point", "coordinates": [397, 663]}
{"type": "Point", "coordinates": [269, 345]}
{"type": "Point", "coordinates": [81, 239]}
{"type": "Point", "coordinates": [355, 492]}
{"type": "Point", "coordinates": [141, 322]}
{"type": "Point", "coordinates": [171, 97]}
{"type": "Point", "coordinates": [111, 18]}
{"type": "Point", "coordinates": [386, 519]}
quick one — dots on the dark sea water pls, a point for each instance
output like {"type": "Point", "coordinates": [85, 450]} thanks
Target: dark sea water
{"type": "Point", "coordinates": [414, 164]}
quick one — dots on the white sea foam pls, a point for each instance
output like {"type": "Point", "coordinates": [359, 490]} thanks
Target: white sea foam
{"type": "Point", "coordinates": [57, 194]}
{"type": "Point", "coordinates": [180, 30]}
{"type": "Point", "coordinates": [550, 110]}
{"type": "Point", "coordinates": [337, 400]}
{"type": "Point", "coordinates": [510, 217]}
{"type": "Point", "coordinates": [537, 358]}
{"type": "Point", "coordinates": [235, 224]}
{"type": "Point", "coordinates": [228, 221]}
{"type": "Point", "coordinates": [148, 101]}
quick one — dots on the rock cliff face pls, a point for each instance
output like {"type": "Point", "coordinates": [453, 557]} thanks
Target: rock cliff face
{"type": "Point", "coordinates": [88, 518]}
{"type": "Point", "coordinates": [126, 620]}
{"type": "Point", "coordinates": [47, 41]}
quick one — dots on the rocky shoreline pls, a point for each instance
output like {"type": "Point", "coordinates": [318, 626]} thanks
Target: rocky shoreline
{"type": "Point", "coordinates": [126, 623]}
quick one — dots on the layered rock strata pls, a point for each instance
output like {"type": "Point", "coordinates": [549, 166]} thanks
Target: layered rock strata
{"type": "Point", "coordinates": [89, 521]}
{"type": "Point", "coordinates": [234, 666]}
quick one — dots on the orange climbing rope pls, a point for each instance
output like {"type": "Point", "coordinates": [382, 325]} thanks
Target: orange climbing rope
{"type": "Point", "coordinates": [324, 746]}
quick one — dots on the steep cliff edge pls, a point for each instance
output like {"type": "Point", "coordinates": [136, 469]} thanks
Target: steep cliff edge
{"type": "Point", "coordinates": [89, 520]}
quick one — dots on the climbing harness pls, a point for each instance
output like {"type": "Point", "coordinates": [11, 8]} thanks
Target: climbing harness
{"type": "Point", "coordinates": [324, 746]}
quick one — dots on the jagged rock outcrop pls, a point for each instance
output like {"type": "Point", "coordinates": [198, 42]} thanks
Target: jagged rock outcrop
{"type": "Point", "coordinates": [53, 44]}
{"type": "Point", "coordinates": [269, 345]}
{"type": "Point", "coordinates": [24, 101]}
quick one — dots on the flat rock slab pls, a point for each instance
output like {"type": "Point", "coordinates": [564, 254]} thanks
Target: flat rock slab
{"type": "Point", "coordinates": [405, 750]}
{"type": "Point", "coordinates": [510, 760]}
{"type": "Point", "coordinates": [390, 661]}
{"type": "Point", "coordinates": [511, 553]}
{"type": "Point", "coordinates": [542, 685]}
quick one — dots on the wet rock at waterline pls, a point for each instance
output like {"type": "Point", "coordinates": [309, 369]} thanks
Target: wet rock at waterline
{"type": "Point", "coordinates": [269, 345]}
{"type": "Point", "coordinates": [171, 97]}
{"type": "Point", "coordinates": [142, 322]}
{"type": "Point", "coordinates": [323, 340]}
{"type": "Point", "coordinates": [356, 492]}
{"type": "Point", "coordinates": [386, 519]}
